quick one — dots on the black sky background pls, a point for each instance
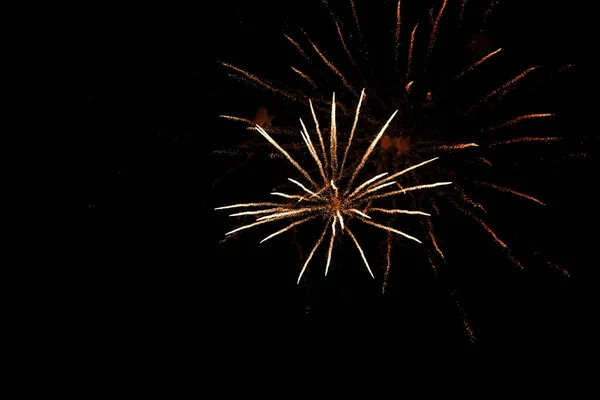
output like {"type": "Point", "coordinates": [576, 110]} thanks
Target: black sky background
{"type": "Point", "coordinates": [152, 274]}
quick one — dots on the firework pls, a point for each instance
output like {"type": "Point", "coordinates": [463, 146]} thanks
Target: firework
{"type": "Point", "coordinates": [421, 128]}
{"type": "Point", "coordinates": [334, 199]}
{"type": "Point", "coordinates": [442, 107]}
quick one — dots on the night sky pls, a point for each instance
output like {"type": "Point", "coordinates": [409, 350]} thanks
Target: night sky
{"type": "Point", "coordinates": [152, 274]}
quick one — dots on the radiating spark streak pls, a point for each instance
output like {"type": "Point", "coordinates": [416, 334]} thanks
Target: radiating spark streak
{"type": "Point", "coordinates": [376, 188]}
{"type": "Point", "coordinates": [288, 196]}
{"type": "Point", "coordinates": [469, 200]}
{"type": "Point", "coordinates": [261, 82]}
{"type": "Point", "coordinates": [333, 139]}
{"type": "Point", "coordinates": [387, 228]}
{"type": "Point", "coordinates": [333, 225]}
{"type": "Point", "coordinates": [397, 174]}
{"type": "Point", "coordinates": [340, 219]}
{"type": "Point", "coordinates": [370, 149]}
{"type": "Point", "coordinates": [510, 83]}
{"type": "Point", "coordinates": [297, 46]}
{"type": "Point", "coordinates": [237, 119]}
{"type": "Point", "coordinates": [362, 95]}
{"type": "Point", "coordinates": [557, 267]}
{"type": "Point", "coordinates": [312, 252]}
{"type": "Point", "coordinates": [362, 254]}
{"type": "Point", "coordinates": [451, 147]}
{"type": "Point", "coordinates": [290, 226]}
{"type": "Point", "coordinates": [397, 45]}
{"type": "Point", "coordinates": [485, 161]}
{"type": "Point", "coordinates": [252, 225]}
{"type": "Point", "coordinates": [307, 141]}
{"type": "Point", "coordinates": [286, 213]}
{"type": "Point", "coordinates": [515, 261]}
{"type": "Point", "coordinates": [461, 17]}
{"type": "Point", "coordinates": [432, 264]}
{"type": "Point", "coordinates": [362, 214]}
{"type": "Point", "coordinates": [345, 47]}
{"type": "Point", "coordinates": [397, 211]}
{"type": "Point", "coordinates": [511, 191]}
{"type": "Point", "coordinates": [247, 205]}
{"type": "Point", "coordinates": [330, 250]}
{"type": "Point", "coordinates": [502, 90]}
{"type": "Point", "coordinates": [519, 119]}
{"type": "Point", "coordinates": [478, 63]}
{"type": "Point", "coordinates": [408, 85]}
{"type": "Point", "coordinates": [305, 77]}
{"type": "Point", "coordinates": [388, 262]}
{"type": "Point", "coordinates": [525, 139]}
{"type": "Point", "coordinates": [285, 153]}
{"type": "Point", "coordinates": [333, 69]}
{"type": "Point", "coordinates": [256, 212]}
{"type": "Point", "coordinates": [433, 241]}
{"type": "Point", "coordinates": [366, 183]}
{"type": "Point", "coordinates": [357, 24]}
{"type": "Point", "coordinates": [312, 150]}
{"type": "Point", "coordinates": [435, 208]}
{"type": "Point", "coordinates": [488, 11]}
{"type": "Point", "coordinates": [566, 67]}
{"type": "Point", "coordinates": [409, 189]}
{"type": "Point", "coordinates": [482, 224]}
{"type": "Point", "coordinates": [435, 28]}
{"type": "Point", "coordinates": [312, 110]}
{"type": "Point", "coordinates": [463, 316]}
{"type": "Point", "coordinates": [317, 193]}
{"type": "Point", "coordinates": [410, 55]}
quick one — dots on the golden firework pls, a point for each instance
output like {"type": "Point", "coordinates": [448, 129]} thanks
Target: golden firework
{"type": "Point", "coordinates": [333, 196]}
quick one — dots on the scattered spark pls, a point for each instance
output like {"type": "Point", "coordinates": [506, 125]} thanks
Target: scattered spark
{"type": "Point", "coordinates": [410, 55]}
{"type": "Point", "coordinates": [478, 63]}
{"type": "Point", "coordinates": [344, 45]}
{"type": "Point", "coordinates": [397, 32]}
{"type": "Point", "coordinates": [554, 265]}
{"type": "Point", "coordinates": [333, 68]}
{"type": "Point", "coordinates": [297, 46]}
{"type": "Point", "coordinates": [388, 262]}
{"type": "Point", "coordinates": [488, 11]}
{"type": "Point", "coordinates": [435, 28]}
{"type": "Point", "coordinates": [261, 82]}
{"type": "Point", "coordinates": [511, 191]}
{"type": "Point", "coordinates": [305, 77]}
{"type": "Point", "coordinates": [461, 17]}
{"type": "Point", "coordinates": [484, 161]}
{"type": "Point", "coordinates": [433, 240]}
{"type": "Point", "coordinates": [356, 22]}
{"type": "Point", "coordinates": [525, 140]}
{"type": "Point", "coordinates": [451, 147]}
{"type": "Point", "coordinates": [465, 321]}
{"type": "Point", "coordinates": [519, 119]}
{"type": "Point", "coordinates": [502, 90]}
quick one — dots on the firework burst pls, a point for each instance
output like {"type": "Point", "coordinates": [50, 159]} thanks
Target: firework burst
{"type": "Point", "coordinates": [443, 104]}
{"type": "Point", "coordinates": [336, 200]}
{"type": "Point", "coordinates": [438, 112]}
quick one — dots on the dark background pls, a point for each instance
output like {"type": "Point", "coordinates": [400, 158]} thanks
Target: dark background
{"type": "Point", "coordinates": [152, 275]}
